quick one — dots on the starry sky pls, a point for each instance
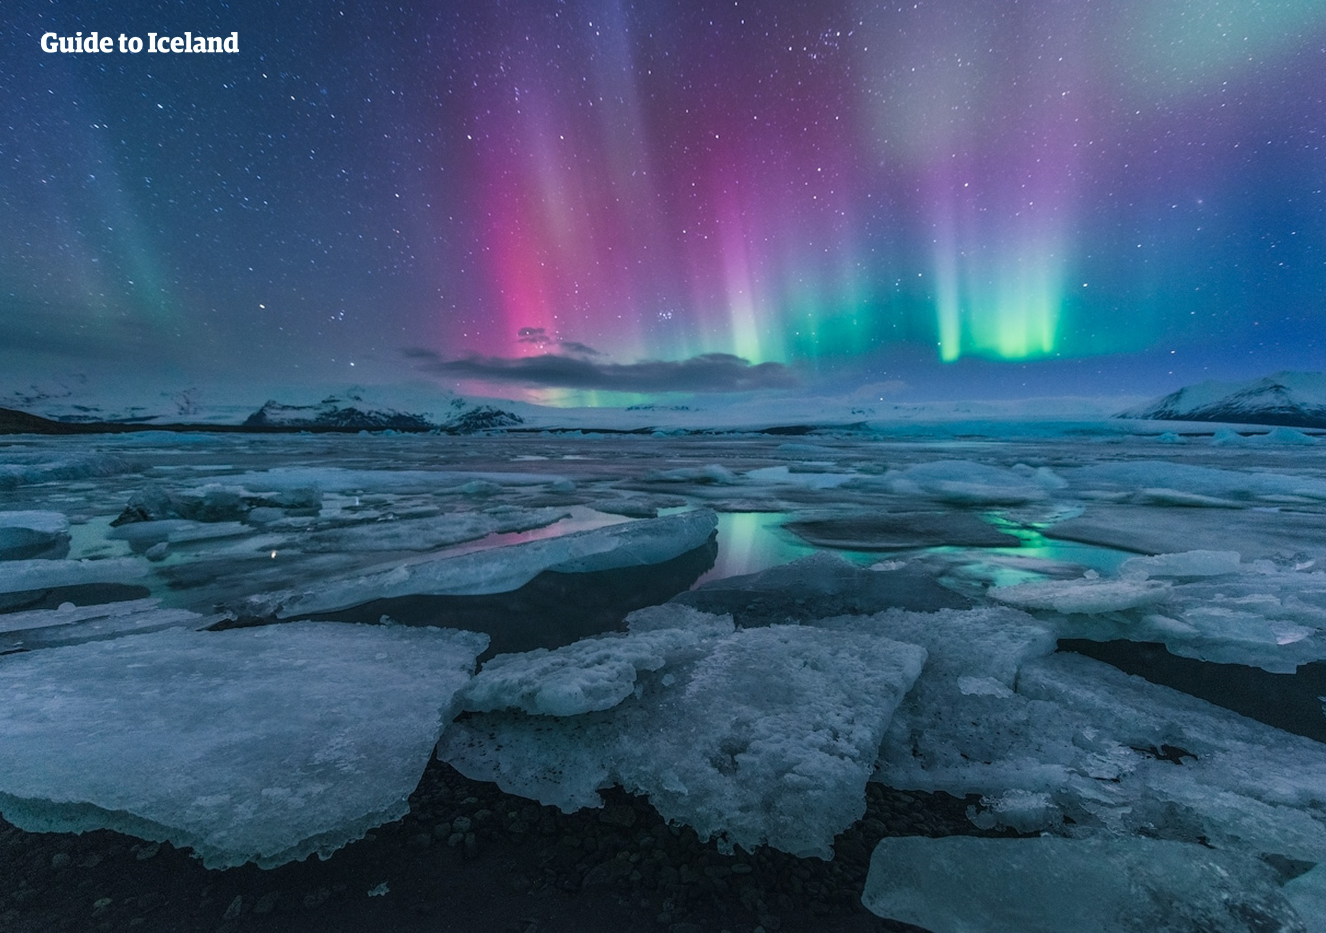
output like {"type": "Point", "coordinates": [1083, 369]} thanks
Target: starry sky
{"type": "Point", "coordinates": [598, 201]}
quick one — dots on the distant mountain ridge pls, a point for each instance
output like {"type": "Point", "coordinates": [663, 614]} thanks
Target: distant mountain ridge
{"type": "Point", "coordinates": [352, 413]}
{"type": "Point", "coordinates": [1290, 399]}
{"type": "Point", "coordinates": [346, 412]}
{"type": "Point", "coordinates": [333, 412]}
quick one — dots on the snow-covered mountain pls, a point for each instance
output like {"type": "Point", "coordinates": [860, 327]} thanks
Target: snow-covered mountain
{"type": "Point", "coordinates": [351, 411]}
{"type": "Point", "coordinates": [1284, 398]}
{"type": "Point", "coordinates": [333, 412]}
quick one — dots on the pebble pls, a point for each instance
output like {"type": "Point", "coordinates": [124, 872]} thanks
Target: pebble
{"type": "Point", "coordinates": [235, 909]}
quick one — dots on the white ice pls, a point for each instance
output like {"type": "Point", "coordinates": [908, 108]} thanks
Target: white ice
{"type": "Point", "coordinates": [19, 575]}
{"type": "Point", "coordinates": [499, 570]}
{"type": "Point", "coordinates": [1054, 885]}
{"type": "Point", "coordinates": [257, 744]}
{"type": "Point", "coordinates": [33, 533]}
{"type": "Point", "coordinates": [758, 736]}
{"type": "Point", "coordinates": [1307, 893]}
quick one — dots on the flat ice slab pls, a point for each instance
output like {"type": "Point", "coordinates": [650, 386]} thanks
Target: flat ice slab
{"type": "Point", "coordinates": [250, 745]}
{"type": "Point", "coordinates": [500, 570]}
{"type": "Point", "coordinates": [754, 736]}
{"type": "Point", "coordinates": [961, 884]}
{"type": "Point", "coordinates": [30, 533]}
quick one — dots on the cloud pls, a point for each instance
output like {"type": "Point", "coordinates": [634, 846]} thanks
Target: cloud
{"type": "Point", "coordinates": [540, 337]}
{"type": "Point", "coordinates": [710, 372]}
{"type": "Point", "coordinates": [578, 349]}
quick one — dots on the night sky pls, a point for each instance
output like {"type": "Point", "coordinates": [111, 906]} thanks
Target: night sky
{"type": "Point", "coordinates": [554, 200]}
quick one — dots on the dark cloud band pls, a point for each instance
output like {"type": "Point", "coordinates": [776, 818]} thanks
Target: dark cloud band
{"type": "Point", "coordinates": [709, 372]}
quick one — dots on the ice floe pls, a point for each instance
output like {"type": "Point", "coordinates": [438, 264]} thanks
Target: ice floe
{"type": "Point", "coordinates": [251, 745]}
{"type": "Point", "coordinates": [818, 586]}
{"type": "Point", "coordinates": [70, 625]}
{"type": "Point", "coordinates": [885, 531]}
{"type": "Point", "coordinates": [755, 736]}
{"type": "Point", "coordinates": [19, 575]}
{"type": "Point", "coordinates": [1055, 885]}
{"type": "Point", "coordinates": [33, 534]}
{"type": "Point", "coordinates": [1108, 749]}
{"type": "Point", "coordinates": [498, 570]}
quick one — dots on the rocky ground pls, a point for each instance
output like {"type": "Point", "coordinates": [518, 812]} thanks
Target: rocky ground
{"type": "Point", "coordinates": [468, 857]}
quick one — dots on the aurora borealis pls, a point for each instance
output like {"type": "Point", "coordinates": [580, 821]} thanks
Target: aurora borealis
{"type": "Point", "coordinates": [1108, 192]}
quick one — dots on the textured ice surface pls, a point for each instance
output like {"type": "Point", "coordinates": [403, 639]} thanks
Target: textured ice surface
{"type": "Point", "coordinates": [1208, 606]}
{"type": "Point", "coordinates": [33, 533]}
{"type": "Point", "coordinates": [499, 570]}
{"type": "Point", "coordinates": [1307, 893]}
{"type": "Point", "coordinates": [1246, 487]}
{"type": "Point", "coordinates": [817, 586]}
{"type": "Point", "coordinates": [760, 735]}
{"type": "Point", "coordinates": [19, 575]}
{"type": "Point", "coordinates": [1279, 535]}
{"type": "Point", "coordinates": [590, 674]}
{"type": "Point", "coordinates": [1053, 885]}
{"type": "Point", "coordinates": [346, 480]}
{"type": "Point", "coordinates": [879, 531]}
{"type": "Point", "coordinates": [71, 625]}
{"type": "Point", "coordinates": [964, 482]}
{"type": "Point", "coordinates": [1090, 596]}
{"type": "Point", "coordinates": [45, 468]}
{"type": "Point", "coordinates": [258, 744]}
{"type": "Point", "coordinates": [1185, 564]}
{"type": "Point", "coordinates": [1109, 749]}
{"type": "Point", "coordinates": [424, 534]}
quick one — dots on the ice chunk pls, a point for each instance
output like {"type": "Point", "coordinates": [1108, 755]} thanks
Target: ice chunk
{"type": "Point", "coordinates": [1261, 616]}
{"type": "Point", "coordinates": [631, 508]}
{"type": "Point", "coordinates": [71, 625]}
{"type": "Point", "coordinates": [672, 615]}
{"type": "Point", "coordinates": [591, 674]}
{"type": "Point", "coordinates": [961, 884]}
{"type": "Point", "coordinates": [33, 534]}
{"type": "Point", "coordinates": [1184, 564]}
{"type": "Point", "coordinates": [884, 531]}
{"type": "Point", "coordinates": [143, 536]}
{"type": "Point", "coordinates": [1112, 751]}
{"type": "Point", "coordinates": [1237, 485]}
{"type": "Point", "coordinates": [45, 470]}
{"type": "Point", "coordinates": [1089, 596]}
{"type": "Point", "coordinates": [339, 479]}
{"type": "Point", "coordinates": [19, 575]}
{"type": "Point", "coordinates": [211, 503]}
{"type": "Point", "coordinates": [819, 586]}
{"type": "Point", "coordinates": [424, 534]}
{"type": "Point", "coordinates": [499, 570]}
{"type": "Point", "coordinates": [256, 744]}
{"type": "Point", "coordinates": [712, 473]}
{"type": "Point", "coordinates": [962, 482]}
{"type": "Point", "coordinates": [1307, 893]}
{"type": "Point", "coordinates": [762, 735]}
{"type": "Point", "coordinates": [801, 475]}
{"type": "Point", "coordinates": [1159, 530]}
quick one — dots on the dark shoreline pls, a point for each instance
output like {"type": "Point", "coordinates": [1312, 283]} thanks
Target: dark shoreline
{"type": "Point", "coordinates": [517, 866]}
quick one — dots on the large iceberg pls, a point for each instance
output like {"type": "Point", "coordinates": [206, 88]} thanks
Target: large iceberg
{"type": "Point", "coordinates": [251, 745]}
{"type": "Point", "coordinates": [754, 736]}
